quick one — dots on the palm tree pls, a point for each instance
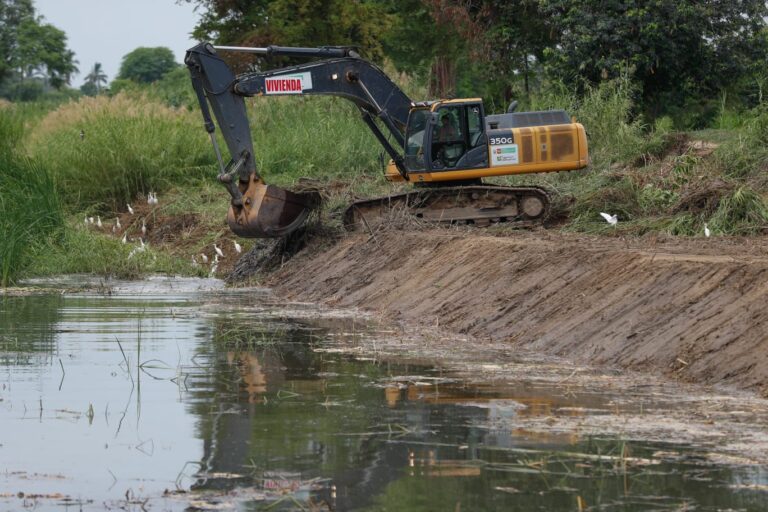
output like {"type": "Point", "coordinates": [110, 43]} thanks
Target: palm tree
{"type": "Point", "coordinates": [97, 78]}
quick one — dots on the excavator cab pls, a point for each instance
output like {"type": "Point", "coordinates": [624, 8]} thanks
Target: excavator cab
{"type": "Point", "coordinates": [445, 136]}
{"type": "Point", "coordinates": [455, 141]}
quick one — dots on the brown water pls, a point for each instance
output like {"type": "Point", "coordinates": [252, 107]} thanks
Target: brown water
{"type": "Point", "coordinates": [166, 394]}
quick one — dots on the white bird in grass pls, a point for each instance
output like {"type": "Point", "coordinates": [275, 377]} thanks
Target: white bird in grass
{"type": "Point", "coordinates": [238, 248]}
{"type": "Point", "coordinates": [204, 258]}
{"type": "Point", "coordinates": [130, 210]}
{"type": "Point", "coordinates": [214, 266]}
{"type": "Point", "coordinates": [136, 250]}
{"type": "Point", "coordinates": [610, 219]}
{"type": "Point", "coordinates": [151, 199]}
{"type": "Point", "coordinates": [85, 221]}
{"type": "Point", "coordinates": [218, 251]}
{"type": "Point", "coordinates": [125, 238]}
{"type": "Point", "coordinates": [143, 228]}
{"type": "Point", "coordinates": [90, 220]}
{"type": "Point", "coordinates": [194, 262]}
{"type": "Point", "coordinates": [707, 232]}
{"type": "Point", "coordinates": [117, 223]}
{"type": "Point", "coordinates": [99, 223]}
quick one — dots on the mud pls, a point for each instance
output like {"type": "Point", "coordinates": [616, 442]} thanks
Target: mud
{"type": "Point", "coordinates": [694, 310]}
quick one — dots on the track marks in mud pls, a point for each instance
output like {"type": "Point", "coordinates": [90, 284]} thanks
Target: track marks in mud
{"type": "Point", "coordinates": [699, 315]}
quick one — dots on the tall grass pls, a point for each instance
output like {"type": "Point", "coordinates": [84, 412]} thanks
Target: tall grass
{"type": "Point", "coordinates": [30, 210]}
{"type": "Point", "coordinates": [105, 151]}
{"type": "Point", "coordinates": [316, 137]}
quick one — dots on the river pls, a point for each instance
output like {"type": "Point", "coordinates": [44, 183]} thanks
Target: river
{"type": "Point", "coordinates": [179, 394]}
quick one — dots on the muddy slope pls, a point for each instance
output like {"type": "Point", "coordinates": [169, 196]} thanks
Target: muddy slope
{"type": "Point", "coordinates": [697, 310]}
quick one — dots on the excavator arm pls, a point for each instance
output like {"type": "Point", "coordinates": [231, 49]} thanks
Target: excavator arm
{"type": "Point", "coordinates": [258, 209]}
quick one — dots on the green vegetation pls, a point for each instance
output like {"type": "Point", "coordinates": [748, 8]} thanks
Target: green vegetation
{"type": "Point", "coordinates": [106, 151]}
{"type": "Point", "coordinates": [30, 210]}
{"type": "Point", "coordinates": [35, 57]}
{"type": "Point", "coordinates": [686, 59]}
{"type": "Point", "coordinates": [82, 251]}
{"type": "Point", "coordinates": [147, 65]}
{"type": "Point", "coordinates": [314, 137]}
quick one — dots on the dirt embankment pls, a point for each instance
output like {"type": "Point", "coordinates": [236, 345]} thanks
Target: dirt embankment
{"type": "Point", "coordinates": [697, 310]}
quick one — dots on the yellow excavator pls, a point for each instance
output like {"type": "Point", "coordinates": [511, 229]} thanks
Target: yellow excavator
{"type": "Point", "coordinates": [444, 147]}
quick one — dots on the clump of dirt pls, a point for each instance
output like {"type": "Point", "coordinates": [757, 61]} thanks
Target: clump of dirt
{"type": "Point", "coordinates": [270, 254]}
{"type": "Point", "coordinates": [169, 229]}
{"type": "Point", "coordinates": [692, 309]}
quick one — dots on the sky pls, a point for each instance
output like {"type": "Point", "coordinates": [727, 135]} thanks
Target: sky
{"type": "Point", "coordinates": [105, 30]}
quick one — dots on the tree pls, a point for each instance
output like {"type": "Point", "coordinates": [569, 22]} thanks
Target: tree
{"type": "Point", "coordinates": [97, 77]}
{"type": "Point", "coordinates": [12, 13]}
{"type": "Point", "coordinates": [30, 48]}
{"type": "Point", "coordinates": [292, 23]}
{"type": "Point", "coordinates": [146, 65]}
{"type": "Point", "coordinates": [95, 80]}
{"type": "Point", "coordinates": [514, 41]}
{"type": "Point", "coordinates": [675, 49]}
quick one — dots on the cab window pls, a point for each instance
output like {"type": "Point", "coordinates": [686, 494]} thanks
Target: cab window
{"type": "Point", "coordinates": [475, 126]}
{"type": "Point", "coordinates": [449, 141]}
{"type": "Point", "coordinates": [414, 140]}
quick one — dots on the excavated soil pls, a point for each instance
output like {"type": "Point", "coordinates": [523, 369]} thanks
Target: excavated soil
{"type": "Point", "coordinates": [696, 310]}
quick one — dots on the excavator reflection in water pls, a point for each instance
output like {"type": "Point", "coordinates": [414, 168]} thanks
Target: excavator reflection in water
{"type": "Point", "coordinates": [444, 146]}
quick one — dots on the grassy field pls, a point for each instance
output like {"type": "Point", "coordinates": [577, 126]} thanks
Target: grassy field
{"type": "Point", "coordinates": [91, 157]}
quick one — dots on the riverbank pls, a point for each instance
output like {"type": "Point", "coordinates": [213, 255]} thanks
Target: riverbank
{"type": "Point", "coordinates": [690, 309]}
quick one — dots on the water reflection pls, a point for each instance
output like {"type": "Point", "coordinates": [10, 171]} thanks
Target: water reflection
{"type": "Point", "coordinates": [349, 435]}
{"type": "Point", "coordinates": [27, 333]}
{"type": "Point", "coordinates": [242, 401]}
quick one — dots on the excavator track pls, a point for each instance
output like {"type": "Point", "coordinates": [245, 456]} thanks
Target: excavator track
{"type": "Point", "coordinates": [479, 205]}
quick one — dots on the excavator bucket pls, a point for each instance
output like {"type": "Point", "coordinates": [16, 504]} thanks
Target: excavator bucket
{"type": "Point", "coordinates": [269, 211]}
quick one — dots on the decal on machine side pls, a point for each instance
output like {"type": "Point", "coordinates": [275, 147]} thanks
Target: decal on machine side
{"type": "Point", "coordinates": [288, 84]}
{"type": "Point", "coordinates": [504, 154]}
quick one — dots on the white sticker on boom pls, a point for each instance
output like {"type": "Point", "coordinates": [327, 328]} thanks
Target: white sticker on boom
{"type": "Point", "coordinates": [504, 154]}
{"type": "Point", "coordinates": [288, 84]}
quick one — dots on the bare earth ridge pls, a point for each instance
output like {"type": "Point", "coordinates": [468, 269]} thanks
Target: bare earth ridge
{"type": "Point", "coordinates": [694, 309]}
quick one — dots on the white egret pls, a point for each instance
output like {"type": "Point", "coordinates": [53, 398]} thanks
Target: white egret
{"type": "Point", "coordinates": [238, 248]}
{"type": "Point", "coordinates": [204, 258]}
{"type": "Point", "coordinates": [218, 251]}
{"type": "Point", "coordinates": [707, 232]}
{"type": "Point", "coordinates": [125, 238]}
{"type": "Point", "coordinates": [610, 219]}
{"type": "Point", "coordinates": [98, 222]}
{"type": "Point", "coordinates": [130, 210]}
{"type": "Point", "coordinates": [117, 223]}
{"type": "Point", "coordinates": [140, 248]}
{"type": "Point", "coordinates": [143, 228]}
